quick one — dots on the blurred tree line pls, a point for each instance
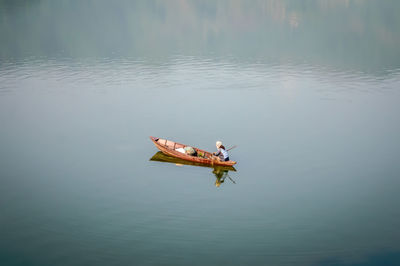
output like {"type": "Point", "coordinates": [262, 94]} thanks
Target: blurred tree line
{"type": "Point", "coordinates": [359, 33]}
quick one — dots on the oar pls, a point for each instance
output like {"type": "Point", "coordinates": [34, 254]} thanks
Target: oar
{"type": "Point", "coordinates": [230, 178]}
{"type": "Point", "coordinates": [231, 148]}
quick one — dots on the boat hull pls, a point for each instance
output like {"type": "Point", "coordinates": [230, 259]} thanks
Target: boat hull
{"type": "Point", "coordinates": [169, 148]}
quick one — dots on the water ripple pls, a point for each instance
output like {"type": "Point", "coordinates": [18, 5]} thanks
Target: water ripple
{"type": "Point", "coordinates": [186, 73]}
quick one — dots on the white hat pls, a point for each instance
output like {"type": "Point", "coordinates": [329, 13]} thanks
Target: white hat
{"type": "Point", "coordinates": [218, 144]}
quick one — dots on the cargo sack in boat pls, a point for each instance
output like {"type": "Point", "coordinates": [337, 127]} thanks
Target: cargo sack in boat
{"type": "Point", "coordinates": [182, 150]}
{"type": "Point", "coordinates": [190, 150]}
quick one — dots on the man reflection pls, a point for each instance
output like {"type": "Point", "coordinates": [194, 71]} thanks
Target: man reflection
{"type": "Point", "coordinates": [220, 176]}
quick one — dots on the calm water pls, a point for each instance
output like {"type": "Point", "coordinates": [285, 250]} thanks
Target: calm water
{"type": "Point", "coordinates": [307, 90]}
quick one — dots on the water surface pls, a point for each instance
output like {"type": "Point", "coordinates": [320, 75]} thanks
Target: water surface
{"type": "Point", "coordinates": [308, 91]}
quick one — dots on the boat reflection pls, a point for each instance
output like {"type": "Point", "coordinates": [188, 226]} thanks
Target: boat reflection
{"type": "Point", "coordinates": [220, 172]}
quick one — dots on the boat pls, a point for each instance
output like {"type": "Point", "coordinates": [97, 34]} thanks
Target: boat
{"type": "Point", "coordinates": [169, 147]}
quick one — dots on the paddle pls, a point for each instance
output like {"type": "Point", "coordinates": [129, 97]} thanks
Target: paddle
{"type": "Point", "coordinates": [231, 148]}
{"type": "Point", "coordinates": [230, 178]}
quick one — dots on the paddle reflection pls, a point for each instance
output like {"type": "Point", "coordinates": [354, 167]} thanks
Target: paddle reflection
{"type": "Point", "coordinates": [220, 172]}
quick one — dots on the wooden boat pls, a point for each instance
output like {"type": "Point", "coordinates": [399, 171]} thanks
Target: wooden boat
{"type": "Point", "coordinates": [161, 157]}
{"type": "Point", "coordinates": [203, 157]}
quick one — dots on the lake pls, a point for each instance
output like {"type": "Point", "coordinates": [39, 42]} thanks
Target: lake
{"type": "Point", "coordinates": [307, 90]}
